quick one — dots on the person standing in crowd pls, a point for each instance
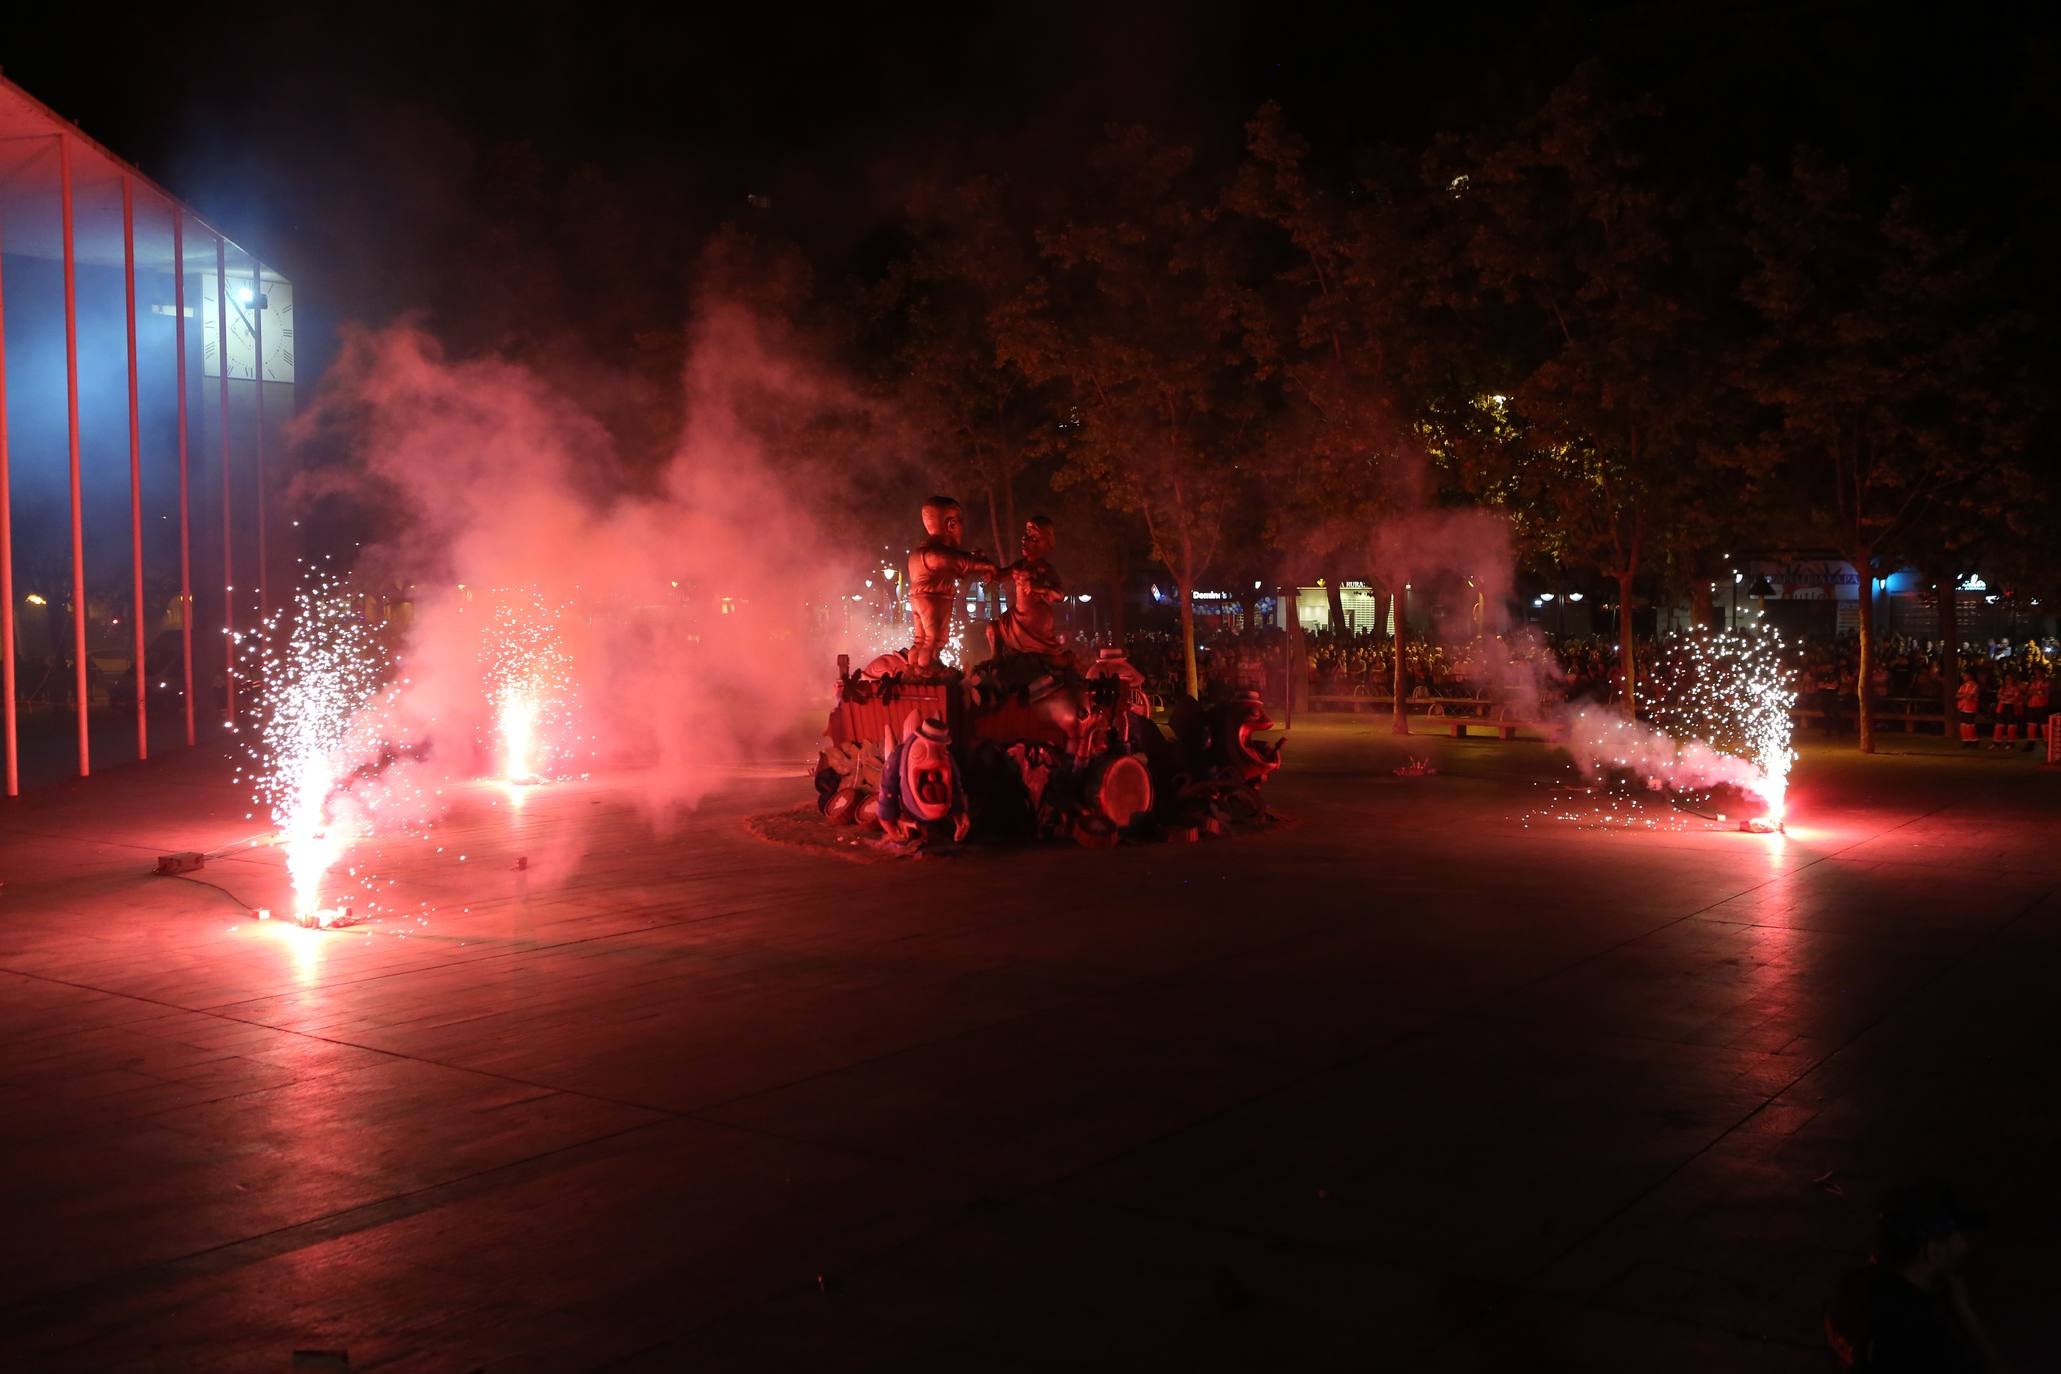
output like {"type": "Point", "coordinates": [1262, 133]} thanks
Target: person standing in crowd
{"type": "Point", "coordinates": [2010, 704]}
{"type": "Point", "coordinates": [1825, 686]}
{"type": "Point", "coordinates": [1968, 702]}
{"type": "Point", "coordinates": [2036, 707]}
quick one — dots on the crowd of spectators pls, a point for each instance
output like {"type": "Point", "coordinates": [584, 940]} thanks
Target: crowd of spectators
{"type": "Point", "coordinates": [1522, 670]}
{"type": "Point", "coordinates": [2002, 691]}
{"type": "Point", "coordinates": [1529, 671]}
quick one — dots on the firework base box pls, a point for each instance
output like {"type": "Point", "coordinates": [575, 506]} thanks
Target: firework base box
{"type": "Point", "coordinates": [328, 918]}
{"type": "Point", "coordinates": [185, 861]}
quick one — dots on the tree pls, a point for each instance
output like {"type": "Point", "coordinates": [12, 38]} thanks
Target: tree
{"type": "Point", "coordinates": [1343, 452]}
{"type": "Point", "coordinates": [1143, 317]}
{"type": "Point", "coordinates": [1882, 363]}
{"type": "Point", "coordinates": [1574, 250]}
{"type": "Point", "coordinates": [970, 257]}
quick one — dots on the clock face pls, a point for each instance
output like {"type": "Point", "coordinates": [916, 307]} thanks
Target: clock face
{"type": "Point", "coordinates": [238, 349]}
{"type": "Point", "coordinates": [277, 330]}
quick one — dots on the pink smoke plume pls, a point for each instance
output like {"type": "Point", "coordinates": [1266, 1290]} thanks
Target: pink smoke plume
{"type": "Point", "coordinates": [684, 631]}
{"type": "Point", "coordinates": [1601, 739]}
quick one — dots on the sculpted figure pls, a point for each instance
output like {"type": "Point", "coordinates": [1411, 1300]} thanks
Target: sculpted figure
{"type": "Point", "coordinates": [935, 567]}
{"type": "Point", "coordinates": [1028, 626]}
{"type": "Point", "coordinates": [920, 786]}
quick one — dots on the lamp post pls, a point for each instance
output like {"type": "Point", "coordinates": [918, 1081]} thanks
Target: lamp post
{"type": "Point", "coordinates": [1761, 590]}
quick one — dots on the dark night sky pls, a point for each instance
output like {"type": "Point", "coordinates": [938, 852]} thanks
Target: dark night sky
{"type": "Point", "coordinates": [332, 138]}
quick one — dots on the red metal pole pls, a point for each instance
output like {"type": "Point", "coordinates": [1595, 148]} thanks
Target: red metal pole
{"type": "Point", "coordinates": [6, 569]}
{"type": "Point", "coordinates": [185, 525]}
{"type": "Point", "coordinates": [257, 336]}
{"type": "Point", "coordinates": [228, 535]}
{"type": "Point", "coordinates": [135, 469]}
{"type": "Point", "coordinates": [71, 402]}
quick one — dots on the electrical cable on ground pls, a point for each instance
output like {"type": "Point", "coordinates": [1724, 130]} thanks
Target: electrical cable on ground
{"type": "Point", "coordinates": [203, 882]}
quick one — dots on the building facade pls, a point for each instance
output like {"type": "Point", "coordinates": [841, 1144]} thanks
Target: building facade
{"type": "Point", "coordinates": [149, 375]}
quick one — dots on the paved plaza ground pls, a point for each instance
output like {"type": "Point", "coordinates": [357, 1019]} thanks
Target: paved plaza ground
{"type": "Point", "coordinates": [1419, 1080]}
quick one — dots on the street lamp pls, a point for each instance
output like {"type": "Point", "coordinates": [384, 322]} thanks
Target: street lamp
{"type": "Point", "coordinates": [1761, 589]}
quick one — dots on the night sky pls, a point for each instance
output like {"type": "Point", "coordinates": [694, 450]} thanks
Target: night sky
{"type": "Point", "coordinates": [357, 149]}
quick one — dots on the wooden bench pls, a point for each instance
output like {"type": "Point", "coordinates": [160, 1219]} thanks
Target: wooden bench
{"type": "Point", "coordinates": [1455, 715]}
{"type": "Point", "coordinates": [1469, 708]}
{"type": "Point", "coordinates": [1887, 709]}
{"type": "Point", "coordinates": [1886, 713]}
{"type": "Point", "coordinates": [1506, 729]}
{"type": "Point", "coordinates": [1344, 701]}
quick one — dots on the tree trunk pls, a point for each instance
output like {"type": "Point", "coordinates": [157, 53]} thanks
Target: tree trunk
{"type": "Point", "coordinates": [1187, 592]}
{"type": "Point", "coordinates": [1012, 524]}
{"type": "Point", "coordinates": [1702, 610]}
{"type": "Point", "coordinates": [1336, 602]}
{"type": "Point", "coordinates": [1627, 657]}
{"type": "Point", "coordinates": [1298, 658]}
{"type": "Point", "coordinates": [1949, 650]}
{"type": "Point", "coordinates": [995, 526]}
{"type": "Point", "coordinates": [1400, 724]}
{"type": "Point", "coordinates": [1864, 690]}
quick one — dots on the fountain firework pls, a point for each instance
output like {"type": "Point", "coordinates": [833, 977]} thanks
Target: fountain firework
{"type": "Point", "coordinates": [1719, 705]}
{"type": "Point", "coordinates": [1734, 691]}
{"type": "Point", "coordinates": [318, 667]}
{"type": "Point", "coordinates": [527, 674]}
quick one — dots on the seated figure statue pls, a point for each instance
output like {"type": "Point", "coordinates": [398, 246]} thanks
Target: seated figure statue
{"type": "Point", "coordinates": [1028, 626]}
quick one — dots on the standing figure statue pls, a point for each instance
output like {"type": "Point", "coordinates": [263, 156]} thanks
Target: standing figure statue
{"type": "Point", "coordinates": [1028, 627]}
{"type": "Point", "coordinates": [935, 568]}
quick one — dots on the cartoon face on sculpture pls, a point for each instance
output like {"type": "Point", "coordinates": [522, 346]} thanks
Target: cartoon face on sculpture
{"type": "Point", "coordinates": [1252, 760]}
{"type": "Point", "coordinates": [920, 783]}
{"type": "Point", "coordinates": [927, 777]}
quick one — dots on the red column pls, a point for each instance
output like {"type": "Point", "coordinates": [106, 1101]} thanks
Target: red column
{"type": "Point", "coordinates": [185, 526]}
{"type": "Point", "coordinates": [228, 536]}
{"type": "Point", "coordinates": [6, 570]}
{"type": "Point", "coordinates": [135, 469]}
{"type": "Point", "coordinates": [71, 403]}
{"type": "Point", "coordinates": [257, 343]}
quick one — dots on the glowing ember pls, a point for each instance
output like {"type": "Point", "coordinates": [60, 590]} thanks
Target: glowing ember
{"type": "Point", "coordinates": [317, 666]}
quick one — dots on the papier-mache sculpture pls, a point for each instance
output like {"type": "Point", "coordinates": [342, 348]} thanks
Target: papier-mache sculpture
{"type": "Point", "coordinates": [1026, 743]}
{"type": "Point", "coordinates": [1029, 626]}
{"type": "Point", "coordinates": [936, 567]}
